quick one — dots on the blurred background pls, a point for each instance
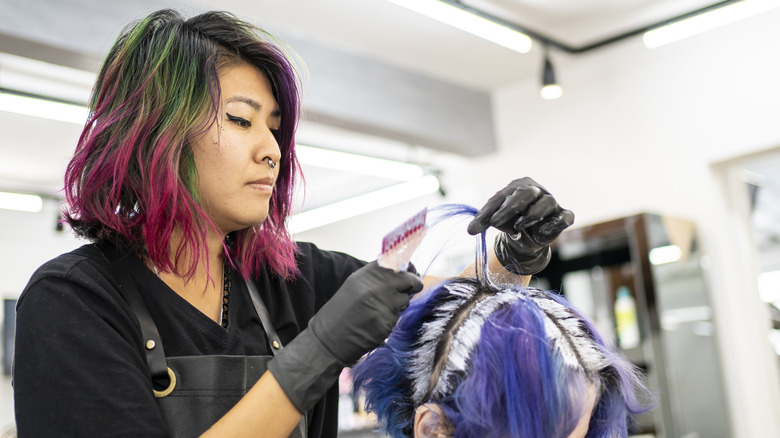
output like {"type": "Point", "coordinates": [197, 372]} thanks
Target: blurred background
{"type": "Point", "coordinates": [666, 146]}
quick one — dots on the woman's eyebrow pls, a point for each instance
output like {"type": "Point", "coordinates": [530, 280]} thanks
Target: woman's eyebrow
{"type": "Point", "coordinates": [247, 100]}
{"type": "Point", "coordinates": [253, 103]}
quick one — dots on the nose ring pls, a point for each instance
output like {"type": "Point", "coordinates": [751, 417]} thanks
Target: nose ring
{"type": "Point", "coordinates": [272, 163]}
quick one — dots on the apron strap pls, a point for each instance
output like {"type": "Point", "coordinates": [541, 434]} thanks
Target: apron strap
{"type": "Point", "coordinates": [153, 347]}
{"type": "Point", "coordinates": [265, 318]}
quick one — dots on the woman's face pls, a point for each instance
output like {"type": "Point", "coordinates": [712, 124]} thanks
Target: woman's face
{"type": "Point", "coordinates": [235, 179]}
{"type": "Point", "coordinates": [590, 402]}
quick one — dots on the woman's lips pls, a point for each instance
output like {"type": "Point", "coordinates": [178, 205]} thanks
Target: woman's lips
{"type": "Point", "coordinates": [263, 184]}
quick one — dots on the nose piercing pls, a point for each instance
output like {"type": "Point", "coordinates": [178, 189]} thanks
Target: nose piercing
{"type": "Point", "coordinates": [272, 163]}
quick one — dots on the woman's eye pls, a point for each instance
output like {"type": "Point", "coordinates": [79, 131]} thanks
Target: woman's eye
{"type": "Point", "coordinates": [240, 121]}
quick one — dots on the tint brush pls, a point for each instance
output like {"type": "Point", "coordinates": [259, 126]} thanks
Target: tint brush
{"type": "Point", "coordinates": [399, 244]}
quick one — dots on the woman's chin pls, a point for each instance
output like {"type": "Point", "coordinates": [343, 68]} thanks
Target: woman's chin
{"type": "Point", "coordinates": [244, 224]}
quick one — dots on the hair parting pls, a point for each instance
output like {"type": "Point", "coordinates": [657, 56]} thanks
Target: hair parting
{"type": "Point", "coordinates": [500, 360]}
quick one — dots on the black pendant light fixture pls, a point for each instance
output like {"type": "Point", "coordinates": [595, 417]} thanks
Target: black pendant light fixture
{"type": "Point", "coordinates": [550, 87]}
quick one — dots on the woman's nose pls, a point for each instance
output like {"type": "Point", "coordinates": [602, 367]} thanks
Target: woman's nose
{"type": "Point", "coordinates": [268, 148]}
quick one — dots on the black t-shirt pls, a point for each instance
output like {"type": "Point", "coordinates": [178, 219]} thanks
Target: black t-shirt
{"type": "Point", "coordinates": [79, 365]}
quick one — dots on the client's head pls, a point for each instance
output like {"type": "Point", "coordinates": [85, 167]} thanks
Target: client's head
{"type": "Point", "coordinates": [473, 358]}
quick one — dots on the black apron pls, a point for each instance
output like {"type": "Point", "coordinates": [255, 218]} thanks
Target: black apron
{"type": "Point", "coordinates": [194, 392]}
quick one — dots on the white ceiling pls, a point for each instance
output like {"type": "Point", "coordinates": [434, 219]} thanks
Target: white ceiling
{"type": "Point", "coordinates": [34, 151]}
{"type": "Point", "coordinates": [386, 31]}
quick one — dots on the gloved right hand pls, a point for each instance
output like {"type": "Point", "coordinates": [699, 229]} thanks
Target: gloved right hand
{"type": "Point", "coordinates": [530, 220]}
{"type": "Point", "coordinates": [358, 318]}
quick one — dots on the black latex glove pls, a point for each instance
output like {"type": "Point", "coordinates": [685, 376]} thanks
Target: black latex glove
{"type": "Point", "coordinates": [358, 318]}
{"type": "Point", "coordinates": [529, 218]}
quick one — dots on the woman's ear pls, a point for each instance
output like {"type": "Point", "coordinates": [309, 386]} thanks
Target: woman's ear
{"type": "Point", "coordinates": [430, 422]}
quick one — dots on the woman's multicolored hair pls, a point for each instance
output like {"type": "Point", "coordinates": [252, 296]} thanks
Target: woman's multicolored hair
{"type": "Point", "coordinates": [501, 360]}
{"type": "Point", "coordinates": [132, 178]}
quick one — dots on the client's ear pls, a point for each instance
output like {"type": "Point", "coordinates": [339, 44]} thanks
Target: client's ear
{"type": "Point", "coordinates": [430, 422]}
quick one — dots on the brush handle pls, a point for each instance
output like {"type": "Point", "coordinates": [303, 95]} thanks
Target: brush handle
{"type": "Point", "coordinates": [399, 245]}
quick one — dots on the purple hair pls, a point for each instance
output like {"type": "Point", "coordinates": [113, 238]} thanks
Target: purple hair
{"type": "Point", "coordinates": [132, 178]}
{"type": "Point", "coordinates": [516, 381]}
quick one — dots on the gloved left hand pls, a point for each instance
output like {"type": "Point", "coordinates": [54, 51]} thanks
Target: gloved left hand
{"type": "Point", "coordinates": [363, 311]}
{"type": "Point", "coordinates": [359, 316]}
{"type": "Point", "coordinates": [529, 218]}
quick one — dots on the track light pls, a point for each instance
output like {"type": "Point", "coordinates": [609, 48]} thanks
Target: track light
{"type": "Point", "coordinates": [550, 87]}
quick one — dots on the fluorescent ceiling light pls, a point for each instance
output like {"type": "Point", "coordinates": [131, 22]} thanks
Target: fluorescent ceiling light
{"type": "Point", "coordinates": [361, 204]}
{"type": "Point", "coordinates": [769, 286]}
{"type": "Point", "coordinates": [665, 254]}
{"type": "Point", "coordinates": [46, 109]}
{"type": "Point", "coordinates": [471, 23]}
{"type": "Point", "coordinates": [343, 161]}
{"type": "Point", "coordinates": [706, 21]}
{"type": "Point", "coordinates": [21, 202]}
{"type": "Point", "coordinates": [40, 78]}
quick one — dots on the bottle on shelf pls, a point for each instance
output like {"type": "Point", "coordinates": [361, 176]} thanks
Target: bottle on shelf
{"type": "Point", "coordinates": [626, 319]}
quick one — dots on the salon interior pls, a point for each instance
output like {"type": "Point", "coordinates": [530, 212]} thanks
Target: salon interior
{"type": "Point", "coordinates": [656, 122]}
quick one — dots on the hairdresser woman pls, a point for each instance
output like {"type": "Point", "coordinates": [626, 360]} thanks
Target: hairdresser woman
{"type": "Point", "coordinates": [192, 311]}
